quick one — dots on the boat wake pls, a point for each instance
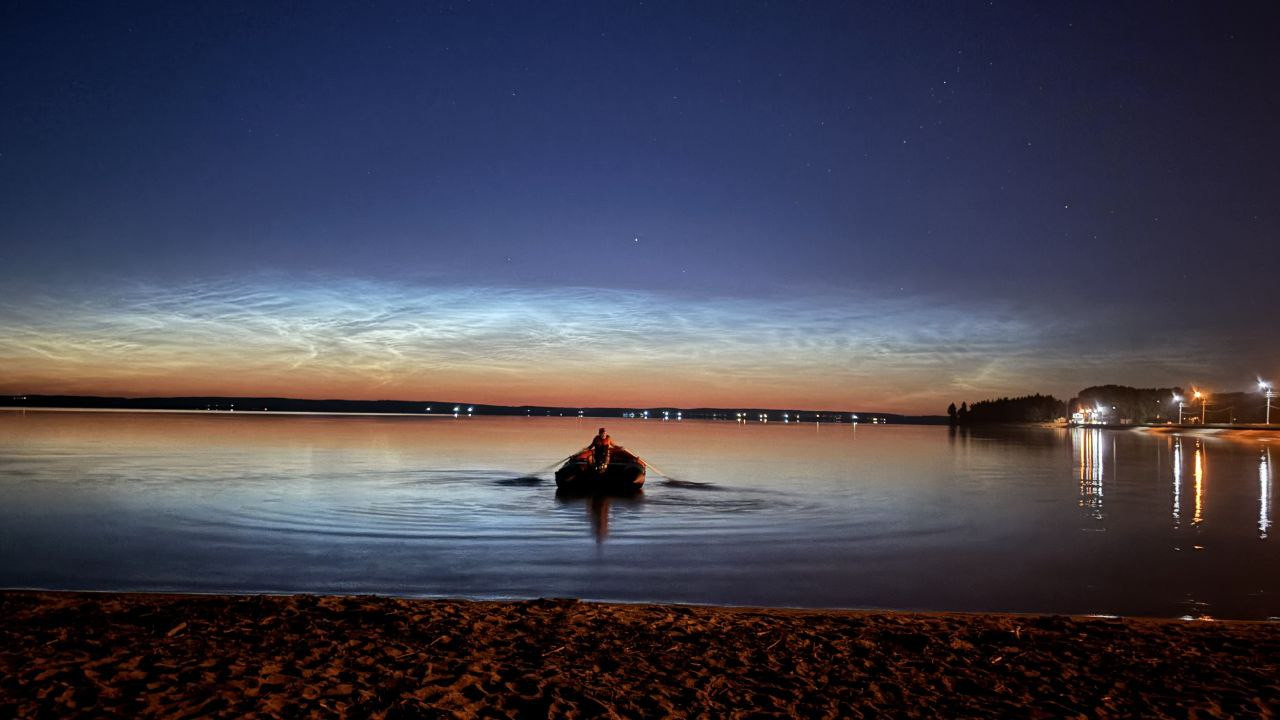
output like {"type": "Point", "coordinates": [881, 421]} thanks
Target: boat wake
{"type": "Point", "coordinates": [691, 485]}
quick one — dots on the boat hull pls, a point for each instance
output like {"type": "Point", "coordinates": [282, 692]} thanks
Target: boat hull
{"type": "Point", "coordinates": [624, 474]}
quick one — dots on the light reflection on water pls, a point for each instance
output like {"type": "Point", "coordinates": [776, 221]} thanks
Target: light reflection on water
{"type": "Point", "coordinates": [1198, 517]}
{"type": "Point", "coordinates": [1177, 482]}
{"type": "Point", "coordinates": [1089, 443]}
{"type": "Point", "coordinates": [779, 514]}
{"type": "Point", "coordinates": [1264, 493]}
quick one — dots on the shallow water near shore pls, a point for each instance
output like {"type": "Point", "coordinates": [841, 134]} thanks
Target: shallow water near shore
{"type": "Point", "coordinates": [795, 515]}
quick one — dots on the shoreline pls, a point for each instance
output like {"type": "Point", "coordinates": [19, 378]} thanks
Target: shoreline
{"type": "Point", "coordinates": [1236, 432]}
{"type": "Point", "coordinates": [435, 408]}
{"type": "Point", "coordinates": [162, 655]}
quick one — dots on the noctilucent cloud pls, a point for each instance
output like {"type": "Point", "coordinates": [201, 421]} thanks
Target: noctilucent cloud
{"type": "Point", "coordinates": [842, 205]}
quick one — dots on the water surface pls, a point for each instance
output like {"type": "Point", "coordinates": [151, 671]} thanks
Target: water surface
{"type": "Point", "coordinates": [866, 516]}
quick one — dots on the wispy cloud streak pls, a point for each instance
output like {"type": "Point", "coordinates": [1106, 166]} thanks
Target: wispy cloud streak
{"type": "Point", "coordinates": [290, 336]}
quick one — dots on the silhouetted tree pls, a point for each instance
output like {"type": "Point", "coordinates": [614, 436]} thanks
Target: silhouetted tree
{"type": "Point", "coordinates": [951, 411]}
{"type": "Point", "coordinates": [962, 416]}
{"type": "Point", "coordinates": [1028, 408]}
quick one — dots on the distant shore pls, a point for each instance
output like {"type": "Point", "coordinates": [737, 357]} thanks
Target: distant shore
{"type": "Point", "coordinates": [143, 655]}
{"type": "Point", "coordinates": [454, 408]}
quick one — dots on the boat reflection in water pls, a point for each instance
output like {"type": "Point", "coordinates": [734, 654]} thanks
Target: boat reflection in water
{"type": "Point", "coordinates": [598, 507]}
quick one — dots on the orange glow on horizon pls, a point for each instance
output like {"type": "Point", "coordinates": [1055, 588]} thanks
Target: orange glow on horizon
{"type": "Point", "coordinates": [594, 391]}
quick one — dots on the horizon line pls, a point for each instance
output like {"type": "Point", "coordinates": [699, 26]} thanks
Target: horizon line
{"type": "Point", "coordinates": [431, 402]}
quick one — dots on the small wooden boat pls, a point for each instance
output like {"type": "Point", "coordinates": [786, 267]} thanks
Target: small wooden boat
{"type": "Point", "coordinates": [623, 472]}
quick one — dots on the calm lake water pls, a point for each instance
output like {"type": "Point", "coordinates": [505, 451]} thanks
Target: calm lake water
{"type": "Point", "coordinates": [867, 516]}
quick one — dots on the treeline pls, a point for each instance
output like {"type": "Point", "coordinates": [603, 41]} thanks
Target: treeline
{"type": "Point", "coordinates": [1028, 408]}
{"type": "Point", "coordinates": [1120, 404]}
{"type": "Point", "coordinates": [1129, 404]}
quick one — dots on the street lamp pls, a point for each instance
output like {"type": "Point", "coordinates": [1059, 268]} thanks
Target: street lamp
{"type": "Point", "coordinates": [1178, 399]}
{"type": "Point", "coordinates": [1266, 388]}
{"type": "Point", "coordinates": [1204, 399]}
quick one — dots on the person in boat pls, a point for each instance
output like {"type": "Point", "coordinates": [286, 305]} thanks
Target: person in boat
{"type": "Point", "coordinates": [601, 445]}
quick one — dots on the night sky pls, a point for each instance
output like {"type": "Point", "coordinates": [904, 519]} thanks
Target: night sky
{"type": "Point", "coordinates": [829, 205]}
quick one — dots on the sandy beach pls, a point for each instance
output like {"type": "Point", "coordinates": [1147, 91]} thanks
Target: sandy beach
{"type": "Point", "coordinates": [143, 655]}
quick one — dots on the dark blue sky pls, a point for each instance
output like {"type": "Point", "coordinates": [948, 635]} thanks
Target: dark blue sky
{"type": "Point", "coordinates": [1110, 167]}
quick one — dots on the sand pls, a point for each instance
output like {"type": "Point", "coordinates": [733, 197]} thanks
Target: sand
{"type": "Point", "coordinates": [1243, 434]}
{"type": "Point", "coordinates": [140, 655]}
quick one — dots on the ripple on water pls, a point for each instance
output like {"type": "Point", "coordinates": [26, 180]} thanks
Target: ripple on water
{"type": "Point", "coordinates": [448, 505]}
{"type": "Point", "coordinates": [461, 505]}
{"type": "Point", "coordinates": [385, 521]}
{"type": "Point", "coordinates": [691, 485]}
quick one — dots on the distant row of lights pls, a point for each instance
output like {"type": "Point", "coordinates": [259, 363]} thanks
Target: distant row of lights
{"type": "Point", "coordinates": [457, 410]}
{"type": "Point", "coordinates": [741, 417]}
{"type": "Point", "coordinates": [643, 414]}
